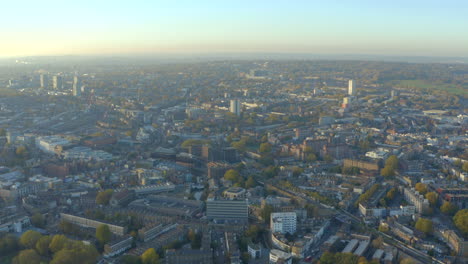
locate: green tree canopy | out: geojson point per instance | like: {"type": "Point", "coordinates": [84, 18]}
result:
{"type": "Point", "coordinates": [421, 188]}
{"type": "Point", "coordinates": [232, 175]}
{"type": "Point", "coordinates": [265, 147]}
{"type": "Point", "coordinates": [130, 259]}
{"type": "Point", "coordinates": [103, 197]}
{"type": "Point", "coordinates": [29, 238]}
{"type": "Point", "coordinates": [465, 167]}
{"type": "Point", "coordinates": [28, 256]}
{"type": "Point", "coordinates": [432, 198]}
{"type": "Point", "coordinates": [150, 257]}
{"type": "Point", "coordinates": [103, 234]}
{"type": "Point", "coordinates": [392, 162]}
{"type": "Point", "coordinates": [8, 244]}
{"type": "Point", "coordinates": [38, 220]}
{"type": "Point", "coordinates": [448, 208]}
{"type": "Point", "coordinates": [461, 221]}
{"type": "Point", "coordinates": [42, 245]}
{"type": "Point", "coordinates": [250, 183]}
{"type": "Point", "coordinates": [424, 225]}
{"type": "Point", "coordinates": [58, 242]}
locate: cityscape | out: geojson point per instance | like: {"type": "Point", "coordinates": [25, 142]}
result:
{"type": "Point", "coordinates": [259, 157]}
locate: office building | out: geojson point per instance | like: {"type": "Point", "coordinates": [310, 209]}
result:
{"type": "Point", "coordinates": [235, 107]}
{"type": "Point", "coordinates": [283, 222]}
{"type": "Point", "coordinates": [44, 80]}
{"type": "Point", "coordinates": [76, 86]}
{"type": "Point", "coordinates": [351, 87]}
{"type": "Point", "coordinates": [227, 210]}
{"type": "Point", "coordinates": [57, 82]}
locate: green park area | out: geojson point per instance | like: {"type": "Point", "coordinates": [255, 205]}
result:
{"type": "Point", "coordinates": [423, 84]}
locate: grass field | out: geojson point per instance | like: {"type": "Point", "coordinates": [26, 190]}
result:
{"type": "Point", "coordinates": [450, 88]}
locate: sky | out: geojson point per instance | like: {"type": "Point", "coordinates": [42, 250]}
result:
{"type": "Point", "coordinates": [92, 27]}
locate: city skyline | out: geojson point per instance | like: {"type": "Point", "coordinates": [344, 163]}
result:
{"type": "Point", "coordinates": [418, 28]}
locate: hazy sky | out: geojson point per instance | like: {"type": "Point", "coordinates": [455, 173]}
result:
{"type": "Point", "coordinates": [397, 27]}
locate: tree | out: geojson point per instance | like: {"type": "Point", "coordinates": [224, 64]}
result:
{"type": "Point", "coordinates": [21, 152]}
{"type": "Point", "coordinates": [392, 162]}
{"type": "Point", "coordinates": [421, 188]}
{"type": "Point", "coordinates": [362, 260]}
{"type": "Point", "coordinates": [29, 238]}
{"type": "Point", "coordinates": [266, 212]}
{"type": "Point", "coordinates": [103, 234]}
{"type": "Point", "coordinates": [150, 257]}
{"type": "Point", "coordinates": [103, 197]}
{"type": "Point", "coordinates": [58, 242]}
{"type": "Point", "coordinates": [424, 225]}
{"type": "Point", "coordinates": [432, 198]}
{"type": "Point", "coordinates": [297, 171]}
{"type": "Point", "coordinates": [28, 256]}
{"type": "Point", "coordinates": [130, 259]}
{"type": "Point", "coordinates": [265, 147]}
{"type": "Point", "coordinates": [391, 194]}
{"type": "Point", "coordinates": [461, 221]}
{"type": "Point", "coordinates": [308, 150]}
{"type": "Point", "coordinates": [465, 166]}
{"type": "Point", "coordinates": [448, 208]}
{"type": "Point", "coordinates": [387, 172]}
{"type": "Point", "coordinates": [76, 252]}
{"type": "Point", "coordinates": [311, 157]}
{"type": "Point", "coordinates": [250, 183]}
{"type": "Point", "coordinates": [327, 258]}
{"type": "Point", "coordinates": [378, 242]}
{"type": "Point", "coordinates": [42, 245]}
{"type": "Point", "coordinates": [38, 220]}
{"type": "Point", "coordinates": [232, 175]}
{"type": "Point", "coordinates": [8, 244]}
{"type": "Point", "coordinates": [407, 261]}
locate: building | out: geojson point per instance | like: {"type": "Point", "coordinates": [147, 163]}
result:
{"type": "Point", "coordinates": [149, 233]}
{"type": "Point", "coordinates": [456, 242]}
{"type": "Point", "coordinates": [154, 189]}
{"type": "Point", "coordinates": [351, 87]}
{"type": "Point", "coordinates": [118, 246]}
{"type": "Point", "coordinates": [76, 86]}
{"type": "Point", "coordinates": [234, 107]}
{"type": "Point", "coordinates": [86, 222]}
{"type": "Point", "coordinates": [370, 166]}
{"type": "Point", "coordinates": [57, 82]}
{"type": "Point", "coordinates": [227, 210]}
{"type": "Point", "coordinates": [44, 81]}
{"type": "Point", "coordinates": [48, 144]}
{"type": "Point", "coordinates": [234, 193]}
{"type": "Point", "coordinates": [122, 198]}
{"type": "Point", "coordinates": [283, 222]}
{"type": "Point", "coordinates": [415, 198]}
{"type": "Point", "coordinates": [278, 256]}
{"type": "Point", "coordinates": [362, 248]}
{"type": "Point", "coordinates": [188, 256]}
{"type": "Point", "coordinates": [255, 251]}
{"type": "Point", "coordinates": [351, 246]}
{"type": "Point", "coordinates": [216, 170]}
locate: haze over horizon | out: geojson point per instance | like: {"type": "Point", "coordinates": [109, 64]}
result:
{"type": "Point", "coordinates": [399, 28]}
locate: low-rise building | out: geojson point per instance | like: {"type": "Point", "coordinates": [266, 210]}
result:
{"type": "Point", "coordinates": [86, 222]}
{"type": "Point", "coordinates": [188, 256]}
{"type": "Point", "coordinates": [278, 256]}
{"type": "Point", "coordinates": [117, 246]}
